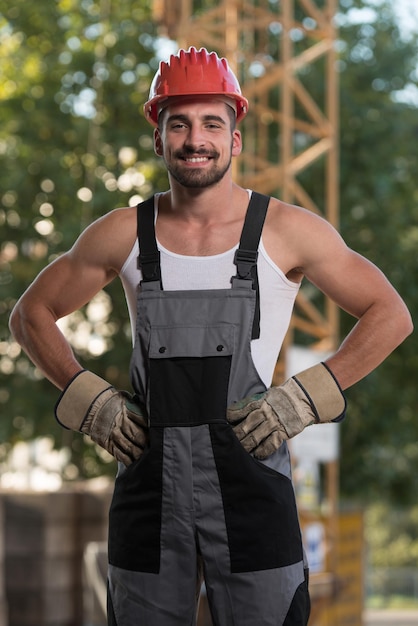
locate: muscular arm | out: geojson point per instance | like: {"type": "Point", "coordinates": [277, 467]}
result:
{"type": "Point", "coordinates": [361, 289]}
{"type": "Point", "coordinates": [61, 288]}
{"type": "Point", "coordinates": [303, 244]}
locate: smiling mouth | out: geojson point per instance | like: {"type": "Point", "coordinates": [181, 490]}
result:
{"type": "Point", "coordinates": [201, 159]}
{"type": "Point", "coordinates": [195, 156]}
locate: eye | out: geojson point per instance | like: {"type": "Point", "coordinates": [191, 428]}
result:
{"type": "Point", "coordinates": [177, 125]}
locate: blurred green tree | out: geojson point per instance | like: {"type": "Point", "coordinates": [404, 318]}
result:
{"type": "Point", "coordinates": [73, 145]}
{"type": "Point", "coordinates": [379, 218]}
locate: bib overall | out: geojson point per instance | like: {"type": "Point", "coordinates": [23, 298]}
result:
{"type": "Point", "coordinates": [196, 502]}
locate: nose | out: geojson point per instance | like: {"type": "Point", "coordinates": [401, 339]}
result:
{"type": "Point", "coordinates": [195, 138]}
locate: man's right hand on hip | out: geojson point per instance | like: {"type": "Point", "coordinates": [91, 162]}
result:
{"type": "Point", "coordinates": [113, 419]}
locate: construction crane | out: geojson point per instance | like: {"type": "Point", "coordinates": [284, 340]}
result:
{"type": "Point", "coordinates": [272, 45]}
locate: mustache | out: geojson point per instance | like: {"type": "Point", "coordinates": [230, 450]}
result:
{"type": "Point", "coordinates": [188, 152]}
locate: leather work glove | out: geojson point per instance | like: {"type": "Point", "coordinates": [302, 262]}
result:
{"type": "Point", "coordinates": [113, 419]}
{"type": "Point", "coordinates": [263, 421]}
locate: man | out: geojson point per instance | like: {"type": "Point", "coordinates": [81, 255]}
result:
{"type": "Point", "coordinates": [204, 478]}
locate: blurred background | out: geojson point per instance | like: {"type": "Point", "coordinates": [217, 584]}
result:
{"type": "Point", "coordinates": [333, 126]}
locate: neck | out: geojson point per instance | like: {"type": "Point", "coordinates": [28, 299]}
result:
{"type": "Point", "coordinates": [201, 224]}
{"type": "Point", "coordinates": [213, 203]}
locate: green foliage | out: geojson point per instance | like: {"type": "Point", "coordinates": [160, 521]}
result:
{"type": "Point", "coordinates": [73, 145]}
{"type": "Point", "coordinates": [379, 218]}
{"type": "Point", "coordinates": [391, 536]}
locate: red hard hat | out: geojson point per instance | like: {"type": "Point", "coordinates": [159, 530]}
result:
{"type": "Point", "coordinates": [194, 73]}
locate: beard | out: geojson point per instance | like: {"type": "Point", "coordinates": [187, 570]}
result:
{"type": "Point", "coordinates": [196, 178]}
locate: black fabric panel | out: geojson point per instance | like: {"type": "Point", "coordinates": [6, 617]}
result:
{"type": "Point", "coordinates": [300, 609]}
{"type": "Point", "coordinates": [135, 512]}
{"type": "Point", "coordinates": [198, 390]}
{"type": "Point", "coordinates": [260, 508]}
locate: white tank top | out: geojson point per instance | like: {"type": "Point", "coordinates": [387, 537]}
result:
{"type": "Point", "coordinates": [179, 272]}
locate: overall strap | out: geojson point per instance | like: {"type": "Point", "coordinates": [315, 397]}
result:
{"type": "Point", "coordinates": [149, 255]}
{"type": "Point", "coordinates": [247, 253]}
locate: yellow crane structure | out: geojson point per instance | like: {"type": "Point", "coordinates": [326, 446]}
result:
{"type": "Point", "coordinates": [273, 45]}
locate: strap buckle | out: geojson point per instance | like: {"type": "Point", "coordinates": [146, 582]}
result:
{"type": "Point", "coordinates": [245, 260]}
{"type": "Point", "coordinates": [149, 264]}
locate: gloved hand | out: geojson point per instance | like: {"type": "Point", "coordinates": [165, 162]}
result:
{"type": "Point", "coordinates": [113, 419]}
{"type": "Point", "coordinates": [263, 421]}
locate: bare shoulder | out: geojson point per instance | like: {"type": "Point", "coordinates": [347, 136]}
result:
{"type": "Point", "coordinates": [291, 218]}
{"type": "Point", "coordinates": [308, 245]}
{"type": "Point", "coordinates": [108, 240]}
{"type": "Point", "coordinates": [95, 259]}
{"type": "Point", "coordinates": [295, 238]}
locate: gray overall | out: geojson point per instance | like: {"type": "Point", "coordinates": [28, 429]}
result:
{"type": "Point", "coordinates": [196, 502]}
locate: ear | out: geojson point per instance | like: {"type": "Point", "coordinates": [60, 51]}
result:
{"type": "Point", "coordinates": [158, 143]}
{"type": "Point", "coordinates": [236, 143]}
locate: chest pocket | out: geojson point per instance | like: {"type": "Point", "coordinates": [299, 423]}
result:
{"type": "Point", "coordinates": [189, 374]}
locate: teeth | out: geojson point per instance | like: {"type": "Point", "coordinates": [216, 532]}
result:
{"type": "Point", "coordinates": [197, 159]}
